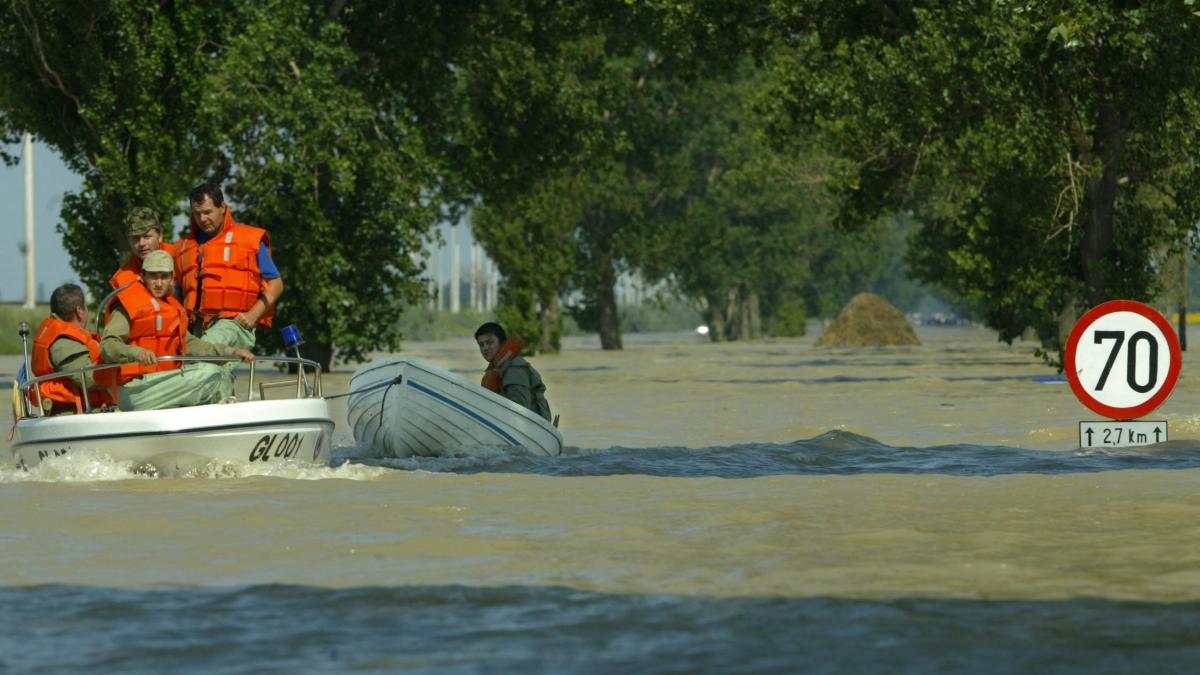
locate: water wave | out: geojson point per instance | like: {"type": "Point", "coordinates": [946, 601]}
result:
{"type": "Point", "coordinates": [832, 453]}
{"type": "Point", "coordinates": [457, 629]}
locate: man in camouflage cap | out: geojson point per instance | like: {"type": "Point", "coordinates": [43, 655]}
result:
{"type": "Point", "coordinates": [145, 234]}
{"type": "Point", "coordinates": [146, 322]}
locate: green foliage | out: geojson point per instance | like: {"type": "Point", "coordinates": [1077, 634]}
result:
{"type": "Point", "coordinates": [1046, 149]}
{"type": "Point", "coordinates": [659, 316]}
{"type": "Point", "coordinates": [420, 323]}
{"type": "Point", "coordinates": [145, 100]}
{"type": "Point", "coordinates": [741, 224]}
{"type": "Point", "coordinates": [336, 179]}
{"type": "Point", "coordinates": [790, 320]}
{"type": "Point", "coordinates": [113, 87]}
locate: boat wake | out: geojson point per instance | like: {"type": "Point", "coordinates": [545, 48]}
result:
{"type": "Point", "coordinates": [88, 466]}
{"type": "Point", "coordinates": [465, 459]}
{"type": "Point", "coordinates": [832, 453]}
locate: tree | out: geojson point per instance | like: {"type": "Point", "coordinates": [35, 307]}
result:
{"type": "Point", "coordinates": [113, 87]}
{"type": "Point", "coordinates": [145, 100]}
{"type": "Point", "coordinates": [1047, 149]}
{"type": "Point", "coordinates": [532, 239]}
{"type": "Point", "coordinates": [343, 183]}
{"type": "Point", "coordinates": [742, 225]}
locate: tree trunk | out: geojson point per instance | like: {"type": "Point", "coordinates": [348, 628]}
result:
{"type": "Point", "coordinates": [1183, 298]}
{"type": "Point", "coordinates": [754, 315]}
{"type": "Point", "coordinates": [550, 340]}
{"type": "Point", "coordinates": [1105, 147]}
{"type": "Point", "coordinates": [1067, 317]}
{"type": "Point", "coordinates": [743, 317]}
{"type": "Point", "coordinates": [733, 315]}
{"type": "Point", "coordinates": [609, 319]}
{"type": "Point", "coordinates": [715, 318]}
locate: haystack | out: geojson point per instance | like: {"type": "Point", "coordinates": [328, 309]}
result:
{"type": "Point", "coordinates": [868, 321]}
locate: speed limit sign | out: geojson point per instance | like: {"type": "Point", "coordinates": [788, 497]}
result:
{"type": "Point", "coordinates": [1122, 359]}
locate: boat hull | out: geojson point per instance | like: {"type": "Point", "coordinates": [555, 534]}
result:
{"type": "Point", "coordinates": [405, 407]}
{"type": "Point", "coordinates": [183, 439]}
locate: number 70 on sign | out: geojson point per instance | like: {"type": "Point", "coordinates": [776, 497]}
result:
{"type": "Point", "coordinates": [1122, 359]}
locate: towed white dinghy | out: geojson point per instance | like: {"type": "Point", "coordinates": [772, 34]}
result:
{"type": "Point", "coordinates": [402, 407]}
{"type": "Point", "coordinates": [180, 440]}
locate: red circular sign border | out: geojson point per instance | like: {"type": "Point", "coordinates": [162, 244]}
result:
{"type": "Point", "coordinates": [1081, 326]}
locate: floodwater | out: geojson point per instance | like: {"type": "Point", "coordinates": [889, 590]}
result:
{"type": "Point", "coordinates": [760, 507]}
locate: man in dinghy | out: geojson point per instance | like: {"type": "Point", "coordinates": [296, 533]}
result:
{"type": "Point", "coordinates": [62, 343]}
{"type": "Point", "coordinates": [229, 281]}
{"type": "Point", "coordinates": [508, 373]}
{"type": "Point", "coordinates": [146, 322]}
{"type": "Point", "coordinates": [145, 234]}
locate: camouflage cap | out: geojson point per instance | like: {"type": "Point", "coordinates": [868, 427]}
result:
{"type": "Point", "coordinates": [158, 261]}
{"type": "Point", "coordinates": [141, 220]}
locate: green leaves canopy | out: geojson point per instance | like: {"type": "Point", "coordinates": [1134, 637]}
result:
{"type": "Point", "coordinates": [1048, 148]}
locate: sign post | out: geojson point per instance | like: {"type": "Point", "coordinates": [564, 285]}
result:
{"type": "Point", "coordinates": [1122, 360]}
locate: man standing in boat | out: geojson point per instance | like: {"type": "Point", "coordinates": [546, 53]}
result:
{"type": "Point", "coordinates": [146, 322]}
{"type": "Point", "coordinates": [228, 279]}
{"type": "Point", "coordinates": [508, 373]}
{"type": "Point", "coordinates": [62, 343]}
{"type": "Point", "coordinates": [145, 234]}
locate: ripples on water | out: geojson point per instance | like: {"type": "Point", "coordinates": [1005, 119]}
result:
{"type": "Point", "coordinates": [831, 453]}
{"type": "Point", "coordinates": [834, 452]}
{"type": "Point", "coordinates": [287, 629]}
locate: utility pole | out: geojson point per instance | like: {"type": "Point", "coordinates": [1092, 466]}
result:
{"type": "Point", "coordinates": [476, 295]}
{"type": "Point", "coordinates": [30, 296]}
{"type": "Point", "coordinates": [435, 297]}
{"type": "Point", "coordinates": [454, 271]}
{"type": "Point", "coordinates": [493, 285]}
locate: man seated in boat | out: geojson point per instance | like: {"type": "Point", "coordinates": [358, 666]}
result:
{"type": "Point", "coordinates": [63, 343]}
{"type": "Point", "coordinates": [508, 373]}
{"type": "Point", "coordinates": [145, 234]}
{"type": "Point", "coordinates": [145, 322]}
{"type": "Point", "coordinates": [228, 279]}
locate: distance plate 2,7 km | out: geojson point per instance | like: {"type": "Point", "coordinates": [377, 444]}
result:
{"type": "Point", "coordinates": [1122, 359]}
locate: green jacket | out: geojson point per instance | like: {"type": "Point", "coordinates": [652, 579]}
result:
{"type": "Point", "coordinates": [522, 384]}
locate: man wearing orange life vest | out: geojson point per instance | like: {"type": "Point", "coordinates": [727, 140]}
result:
{"type": "Point", "coordinates": [146, 322]}
{"type": "Point", "coordinates": [228, 280]}
{"type": "Point", "coordinates": [63, 343]}
{"type": "Point", "coordinates": [508, 373]}
{"type": "Point", "coordinates": [145, 234]}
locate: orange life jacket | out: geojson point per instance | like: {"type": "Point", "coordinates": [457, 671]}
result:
{"type": "Point", "coordinates": [159, 325]}
{"type": "Point", "coordinates": [220, 278]}
{"type": "Point", "coordinates": [494, 375]}
{"type": "Point", "coordinates": [131, 271]}
{"type": "Point", "coordinates": [64, 392]}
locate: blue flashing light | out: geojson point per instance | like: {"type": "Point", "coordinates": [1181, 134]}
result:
{"type": "Point", "coordinates": [291, 336]}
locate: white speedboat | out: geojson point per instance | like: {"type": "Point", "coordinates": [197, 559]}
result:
{"type": "Point", "coordinates": [401, 407]}
{"type": "Point", "coordinates": [257, 428]}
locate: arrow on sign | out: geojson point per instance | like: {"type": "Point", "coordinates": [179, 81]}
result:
{"type": "Point", "coordinates": [1089, 435]}
{"type": "Point", "coordinates": [1157, 434]}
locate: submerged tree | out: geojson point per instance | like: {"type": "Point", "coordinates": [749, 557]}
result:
{"type": "Point", "coordinates": [343, 183]}
{"type": "Point", "coordinates": [145, 100]}
{"type": "Point", "coordinates": [114, 88]}
{"type": "Point", "coordinates": [1047, 149]}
